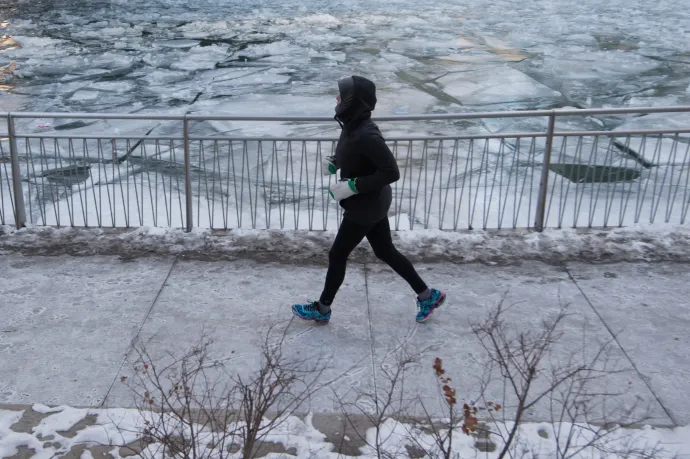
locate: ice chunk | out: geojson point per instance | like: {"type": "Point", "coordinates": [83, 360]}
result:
{"type": "Point", "coordinates": [84, 95]}
{"type": "Point", "coordinates": [276, 48]}
{"type": "Point", "coordinates": [329, 56]}
{"type": "Point", "coordinates": [107, 64]}
{"type": "Point", "coordinates": [200, 58]}
{"type": "Point", "coordinates": [111, 61]}
{"type": "Point", "coordinates": [8, 43]}
{"type": "Point", "coordinates": [182, 91]}
{"type": "Point", "coordinates": [113, 31]}
{"type": "Point", "coordinates": [83, 74]}
{"type": "Point", "coordinates": [422, 47]}
{"type": "Point", "coordinates": [253, 104]}
{"type": "Point", "coordinates": [13, 102]}
{"type": "Point", "coordinates": [597, 64]}
{"type": "Point", "coordinates": [496, 43]}
{"type": "Point", "coordinates": [398, 60]}
{"type": "Point", "coordinates": [176, 44]}
{"type": "Point", "coordinates": [403, 100]}
{"type": "Point", "coordinates": [483, 51]}
{"type": "Point", "coordinates": [161, 76]}
{"type": "Point", "coordinates": [327, 39]}
{"type": "Point", "coordinates": [494, 85]}
{"type": "Point", "coordinates": [120, 87]}
{"type": "Point", "coordinates": [204, 29]}
{"type": "Point", "coordinates": [264, 76]}
{"type": "Point", "coordinates": [52, 89]}
{"type": "Point", "coordinates": [658, 121]}
{"type": "Point", "coordinates": [35, 46]}
{"type": "Point", "coordinates": [325, 20]}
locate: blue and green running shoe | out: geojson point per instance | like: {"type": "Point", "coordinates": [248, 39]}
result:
{"type": "Point", "coordinates": [311, 311]}
{"type": "Point", "coordinates": [426, 308]}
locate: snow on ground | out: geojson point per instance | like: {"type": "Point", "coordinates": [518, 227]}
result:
{"type": "Point", "coordinates": [121, 427]}
{"type": "Point", "coordinates": [553, 246]}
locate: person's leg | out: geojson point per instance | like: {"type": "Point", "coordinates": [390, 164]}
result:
{"type": "Point", "coordinates": [379, 236]}
{"type": "Point", "coordinates": [382, 243]}
{"type": "Point", "coordinates": [350, 234]}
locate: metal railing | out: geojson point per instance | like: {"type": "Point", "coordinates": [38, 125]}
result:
{"type": "Point", "coordinates": [187, 177]}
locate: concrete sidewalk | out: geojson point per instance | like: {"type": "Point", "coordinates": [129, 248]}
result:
{"type": "Point", "coordinates": [68, 322]}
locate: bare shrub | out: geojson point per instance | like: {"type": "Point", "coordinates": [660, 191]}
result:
{"type": "Point", "coordinates": [194, 405]}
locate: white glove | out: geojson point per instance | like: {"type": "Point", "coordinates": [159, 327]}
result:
{"type": "Point", "coordinates": [343, 189]}
{"type": "Point", "coordinates": [328, 166]}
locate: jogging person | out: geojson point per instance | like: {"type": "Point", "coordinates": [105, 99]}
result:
{"type": "Point", "coordinates": [367, 168]}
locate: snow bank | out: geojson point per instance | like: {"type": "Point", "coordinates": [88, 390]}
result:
{"type": "Point", "coordinates": [671, 243]}
{"type": "Point", "coordinates": [122, 427]}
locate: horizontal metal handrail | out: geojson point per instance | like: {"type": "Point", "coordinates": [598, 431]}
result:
{"type": "Point", "coordinates": [99, 137]}
{"type": "Point", "coordinates": [428, 117]}
{"type": "Point", "coordinates": [507, 135]}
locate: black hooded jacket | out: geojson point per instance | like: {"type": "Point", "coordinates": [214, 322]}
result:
{"type": "Point", "coordinates": [363, 154]}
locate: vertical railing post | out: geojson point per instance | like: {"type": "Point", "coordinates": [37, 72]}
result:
{"type": "Point", "coordinates": [17, 189]}
{"type": "Point", "coordinates": [187, 177]}
{"type": "Point", "coordinates": [544, 182]}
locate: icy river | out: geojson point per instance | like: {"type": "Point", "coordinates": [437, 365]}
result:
{"type": "Point", "coordinates": [283, 57]}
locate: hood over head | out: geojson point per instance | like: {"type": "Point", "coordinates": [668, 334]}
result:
{"type": "Point", "coordinates": [357, 99]}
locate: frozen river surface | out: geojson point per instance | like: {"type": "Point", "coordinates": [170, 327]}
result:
{"type": "Point", "coordinates": [283, 57]}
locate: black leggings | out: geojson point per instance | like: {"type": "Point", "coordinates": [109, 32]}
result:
{"type": "Point", "coordinates": [349, 236]}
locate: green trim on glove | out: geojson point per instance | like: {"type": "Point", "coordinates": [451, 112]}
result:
{"type": "Point", "coordinates": [328, 165]}
{"type": "Point", "coordinates": [352, 183]}
{"type": "Point", "coordinates": [343, 189]}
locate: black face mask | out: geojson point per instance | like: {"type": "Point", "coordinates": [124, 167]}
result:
{"type": "Point", "coordinates": [346, 87]}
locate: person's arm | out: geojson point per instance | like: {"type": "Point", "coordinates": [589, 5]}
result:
{"type": "Point", "coordinates": [329, 164]}
{"type": "Point", "coordinates": [387, 172]}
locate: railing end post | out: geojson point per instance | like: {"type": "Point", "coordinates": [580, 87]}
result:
{"type": "Point", "coordinates": [17, 189]}
{"type": "Point", "coordinates": [544, 182]}
{"type": "Point", "coordinates": [189, 218]}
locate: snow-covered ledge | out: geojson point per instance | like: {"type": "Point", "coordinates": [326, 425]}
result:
{"type": "Point", "coordinates": [657, 243]}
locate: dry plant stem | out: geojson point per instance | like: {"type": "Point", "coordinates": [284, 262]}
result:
{"type": "Point", "coordinates": [387, 402]}
{"type": "Point", "coordinates": [196, 406]}
{"type": "Point", "coordinates": [521, 357]}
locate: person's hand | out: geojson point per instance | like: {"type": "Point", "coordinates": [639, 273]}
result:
{"type": "Point", "coordinates": [343, 189]}
{"type": "Point", "coordinates": [329, 165]}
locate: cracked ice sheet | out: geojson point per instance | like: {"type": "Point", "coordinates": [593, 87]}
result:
{"type": "Point", "coordinates": [429, 30]}
{"type": "Point", "coordinates": [401, 99]}
{"type": "Point", "coordinates": [200, 58]}
{"type": "Point", "coordinates": [496, 85]}
{"type": "Point", "coordinates": [251, 104]}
